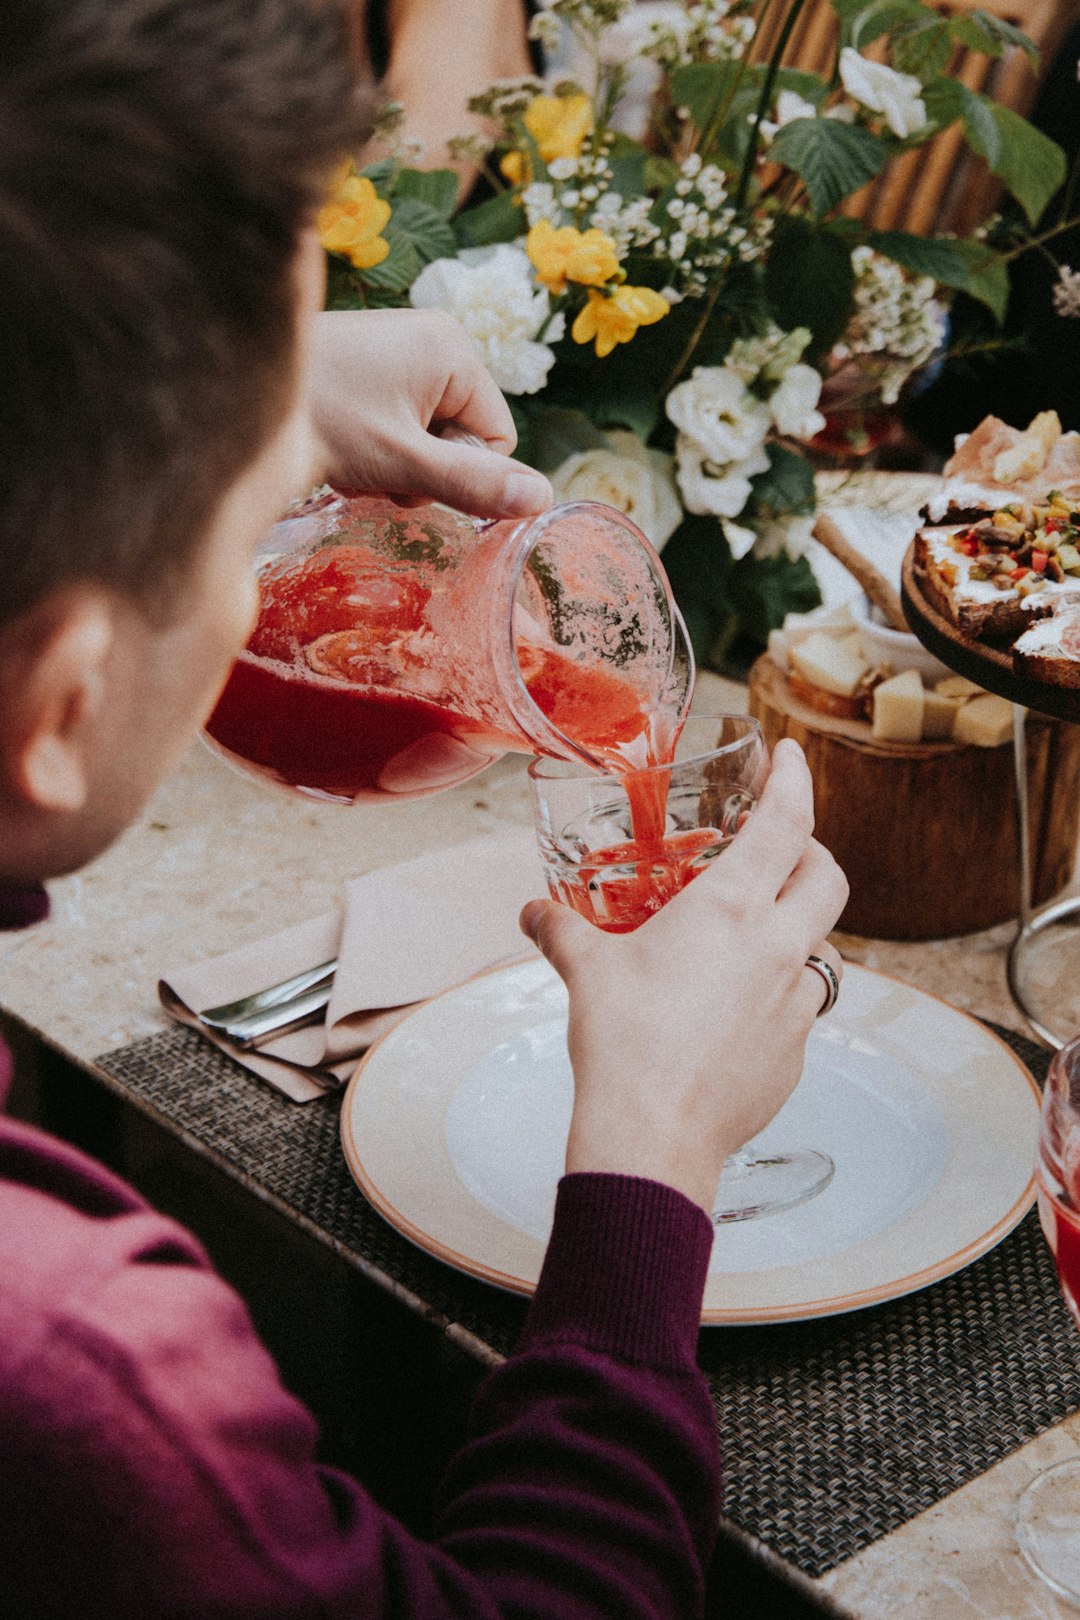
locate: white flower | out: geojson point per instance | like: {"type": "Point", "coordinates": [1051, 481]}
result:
{"type": "Point", "coordinates": [897, 96]}
{"type": "Point", "coordinates": [718, 412]}
{"type": "Point", "coordinates": [1066, 294]}
{"type": "Point", "coordinates": [792, 403]}
{"type": "Point", "coordinates": [740, 539]}
{"type": "Point", "coordinates": [720, 488]}
{"type": "Point", "coordinates": [492, 293]}
{"type": "Point", "coordinates": [789, 106]}
{"type": "Point", "coordinates": [628, 476]}
{"type": "Point", "coordinates": [791, 534]}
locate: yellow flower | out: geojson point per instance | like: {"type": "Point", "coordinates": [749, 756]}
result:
{"type": "Point", "coordinates": [560, 255]}
{"type": "Point", "coordinates": [558, 125]}
{"type": "Point", "coordinates": [614, 317]}
{"type": "Point", "coordinates": [350, 220]}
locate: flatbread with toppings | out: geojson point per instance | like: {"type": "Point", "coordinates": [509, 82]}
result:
{"type": "Point", "coordinates": [999, 573]}
{"type": "Point", "coordinates": [1050, 650]}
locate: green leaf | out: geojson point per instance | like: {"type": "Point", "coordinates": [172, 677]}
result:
{"type": "Point", "coordinates": [429, 232]}
{"type": "Point", "coordinates": [809, 280]}
{"type": "Point", "coordinates": [1032, 166]}
{"type": "Point", "coordinates": [629, 164]}
{"type": "Point", "coordinates": [697, 561]}
{"type": "Point", "coordinates": [703, 88]}
{"type": "Point", "coordinates": [658, 172]}
{"type": "Point", "coordinates": [380, 174]}
{"type": "Point", "coordinates": [971, 267]}
{"type": "Point", "coordinates": [924, 50]}
{"type": "Point", "coordinates": [944, 101]}
{"type": "Point", "coordinates": [399, 269]}
{"type": "Point", "coordinates": [765, 589]}
{"type": "Point", "coordinates": [436, 187]}
{"type": "Point", "coordinates": [497, 219]}
{"type": "Point", "coordinates": [788, 486]}
{"type": "Point", "coordinates": [557, 434]}
{"type": "Point", "coordinates": [832, 159]}
{"type": "Point", "coordinates": [982, 31]}
{"type": "Point", "coordinates": [810, 86]}
{"type": "Point", "coordinates": [882, 17]}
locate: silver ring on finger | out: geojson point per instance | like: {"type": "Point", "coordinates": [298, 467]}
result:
{"type": "Point", "coordinates": [832, 983]}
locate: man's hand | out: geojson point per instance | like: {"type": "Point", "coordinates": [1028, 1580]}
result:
{"type": "Point", "coordinates": [381, 386]}
{"type": "Point", "coordinates": [687, 1035]}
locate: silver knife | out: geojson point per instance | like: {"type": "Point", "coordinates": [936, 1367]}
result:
{"type": "Point", "coordinates": [252, 1020]}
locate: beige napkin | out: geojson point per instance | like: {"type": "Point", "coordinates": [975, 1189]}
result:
{"type": "Point", "coordinates": [401, 935]}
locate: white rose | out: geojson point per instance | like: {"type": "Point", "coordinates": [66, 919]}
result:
{"type": "Point", "coordinates": [790, 534]}
{"type": "Point", "coordinates": [792, 403]}
{"type": "Point", "coordinates": [897, 96]}
{"type": "Point", "coordinates": [721, 489]}
{"type": "Point", "coordinates": [715, 409]}
{"type": "Point", "coordinates": [492, 293]}
{"type": "Point", "coordinates": [630, 477]}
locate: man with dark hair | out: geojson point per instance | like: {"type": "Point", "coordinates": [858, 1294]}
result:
{"type": "Point", "coordinates": [165, 387]}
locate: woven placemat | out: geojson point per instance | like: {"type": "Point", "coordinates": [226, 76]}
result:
{"type": "Point", "coordinates": [834, 1432]}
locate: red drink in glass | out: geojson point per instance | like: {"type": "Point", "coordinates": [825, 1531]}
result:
{"type": "Point", "coordinates": [622, 886]}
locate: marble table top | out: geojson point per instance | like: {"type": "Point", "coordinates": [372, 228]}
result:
{"type": "Point", "coordinates": [213, 861]}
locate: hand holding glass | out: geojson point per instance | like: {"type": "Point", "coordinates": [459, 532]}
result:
{"type": "Point", "coordinates": [617, 847]}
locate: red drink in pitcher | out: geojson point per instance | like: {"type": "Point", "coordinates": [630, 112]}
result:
{"type": "Point", "coordinates": [403, 651]}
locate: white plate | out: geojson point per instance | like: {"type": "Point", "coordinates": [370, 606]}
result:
{"type": "Point", "coordinates": [454, 1127]}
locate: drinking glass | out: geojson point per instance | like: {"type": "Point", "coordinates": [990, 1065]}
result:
{"type": "Point", "coordinates": [1048, 1520]}
{"type": "Point", "coordinates": [618, 846]}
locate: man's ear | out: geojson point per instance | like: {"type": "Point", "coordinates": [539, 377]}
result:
{"type": "Point", "coordinates": [53, 673]}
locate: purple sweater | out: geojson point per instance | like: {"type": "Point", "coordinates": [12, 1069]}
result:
{"type": "Point", "coordinates": [152, 1465]}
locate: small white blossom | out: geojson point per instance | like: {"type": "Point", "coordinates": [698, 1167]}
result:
{"type": "Point", "coordinates": [492, 293]}
{"type": "Point", "coordinates": [769, 356]}
{"type": "Point", "coordinates": [897, 325]}
{"type": "Point", "coordinates": [740, 539]}
{"type": "Point", "coordinates": [788, 534]}
{"type": "Point", "coordinates": [628, 476]}
{"type": "Point", "coordinates": [545, 28]}
{"type": "Point", "coordinates": [538, 201]}
{"type": "Point", "coordinates": [793, 402]}
{"type": "Point", "coordinates": [896, 96]}
{"type": "Point", "coordinates": [563, 168]}
{"type": "Point", "coordinates": [1066, 294]}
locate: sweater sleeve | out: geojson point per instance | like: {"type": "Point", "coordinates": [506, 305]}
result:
{"type": "Point", "coordinates": [154, 1465]}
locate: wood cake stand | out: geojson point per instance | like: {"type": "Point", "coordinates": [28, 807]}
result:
{"type": "Point", "coordinates": [991, 666]}
{"type": "Point", "coordinates": [926, 832]}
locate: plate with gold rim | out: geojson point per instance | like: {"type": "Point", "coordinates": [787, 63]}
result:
{"type": "Point", "coordinates": [454, 1127]}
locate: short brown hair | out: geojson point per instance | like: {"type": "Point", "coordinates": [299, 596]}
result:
{"type": "Point", "coordinates": [157, 161]}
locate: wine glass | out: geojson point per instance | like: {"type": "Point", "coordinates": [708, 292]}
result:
{"type": "Point", "coordinates": [1048, 1520]}
{"type": "Point", "coordinates": [617, 846]}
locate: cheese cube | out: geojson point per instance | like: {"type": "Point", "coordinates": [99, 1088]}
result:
{"type": "Point", "coordinates": [939, 714]}
{"type": "Point", "coordinates": [898, 708]}
{"type": "Point", "coordinates": [957, 686]}
{"type": "Point", "coordinates": [986, 721]}
{"type": "Point", "coordinates": [835, 665]}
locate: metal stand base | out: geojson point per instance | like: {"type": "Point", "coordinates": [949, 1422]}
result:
{"type": "Point", "coordinates": [1030, 924]}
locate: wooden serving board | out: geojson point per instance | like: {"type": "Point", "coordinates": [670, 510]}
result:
{"type": "Point", "coordinates": [926, 831]}
{"type": "Point", "coordinates": [989, 664]}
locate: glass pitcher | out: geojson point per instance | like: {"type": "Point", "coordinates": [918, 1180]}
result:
{"type": "Point", "coordinates": [399, 651]}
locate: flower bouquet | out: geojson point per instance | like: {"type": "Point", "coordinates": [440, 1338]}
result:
{"type": "Point", "coordinates": [661, 296]}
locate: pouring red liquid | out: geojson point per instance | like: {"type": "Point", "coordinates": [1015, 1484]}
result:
{"type": "Point", "coordinates": [399, 652]}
